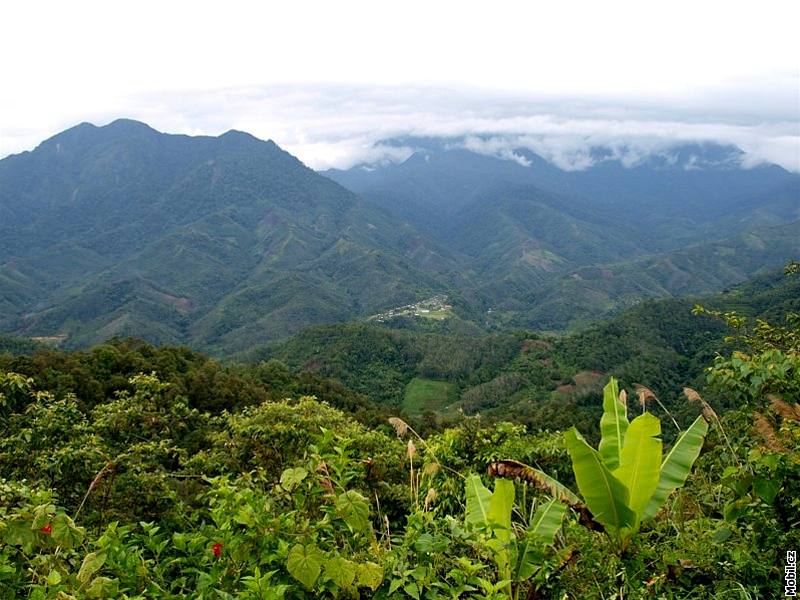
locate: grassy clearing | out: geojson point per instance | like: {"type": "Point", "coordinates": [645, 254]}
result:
{"type": "Point", "coordinates": [428, 394]}
{"type": "Point", "coordinates": [436, 315]}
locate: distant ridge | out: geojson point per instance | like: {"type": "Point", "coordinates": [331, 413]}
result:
{"type": "Point", "coordinates": [228, 242]}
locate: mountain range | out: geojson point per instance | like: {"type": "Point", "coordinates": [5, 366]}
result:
{"type": "Point", "coordinates": [122, 230]}
{"type": "Point", "coordinates": [228, 242]}
{"type": "Point", "coordinates": [553, 248]}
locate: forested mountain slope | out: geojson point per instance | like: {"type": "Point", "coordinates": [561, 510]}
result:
{"type": "Point", "coordinates": [225, 243]}
{"type": "Point", "coordinates": [660, 199]}
{"type": "Point", "coordinates": [555, 249]}
{"type": "Point", "coordinates": [218, 242]}
{"type": "Point", "coordinates": [525, 376]}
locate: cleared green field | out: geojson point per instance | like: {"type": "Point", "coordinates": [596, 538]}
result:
{"type": "Point", "coordinates": [436, 315]}
{"type": "Point", "coordinates": [428, 394]}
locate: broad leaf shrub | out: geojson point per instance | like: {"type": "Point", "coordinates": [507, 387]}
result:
{"type": "Point", "coordinates": [135, 490]}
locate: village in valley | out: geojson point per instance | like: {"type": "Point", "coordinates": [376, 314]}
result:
{"type": "Point", "coordinates": [436, 307]}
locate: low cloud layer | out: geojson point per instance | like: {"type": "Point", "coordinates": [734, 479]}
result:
{"type": "Point", "coordinates": [338, 126]}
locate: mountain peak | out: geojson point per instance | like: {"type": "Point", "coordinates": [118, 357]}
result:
{"type": "Point", "coordinates": [238, 134]}
{"type": "Point", "coordinates": [87, 133]}
{"type": "Point", "coordinates": [241, 140]}
{"type": "Point", "coordinates": [128, 126]}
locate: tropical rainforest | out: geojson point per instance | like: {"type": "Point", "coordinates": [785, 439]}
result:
{"type": "Point", "coordinates": [223, 375]}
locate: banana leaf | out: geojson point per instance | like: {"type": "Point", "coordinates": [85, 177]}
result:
{"type": "Point", "coordinates": [546, 521]}
{"type": "Point", "coordinates": [640, 467]}
{"type": "Point", "coordinates": [677, 465]}
{"type": "Point", "coordinates": [613, 425]}
{"type": "Point", "coordinates": [478, 498]}
{"type": "Point", "coordinates": [500, 506]}
{"type": "Point", "coordinates": [605, 495]}
{"type": "Point", "coordinates": [513, 469]}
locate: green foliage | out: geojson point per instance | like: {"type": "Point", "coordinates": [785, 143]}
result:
{"type": "Point", "coordinates": [133, 484]}
{"type": "Point", "coordinates": [532, 377]}
{"type": "Point", "coordinates": [518, 555]}
{"type": "Point", "coordinates": [676, 466]}
{"type": "Point", "coordinates": [625, 482]}
{"type": "Point", "coordinates": [768, 361]}
{"type": "Point", "coordinates": [613, 426]}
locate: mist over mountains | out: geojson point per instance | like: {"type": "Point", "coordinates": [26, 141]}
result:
{"type": "Point", "coordinates": [226, 242]}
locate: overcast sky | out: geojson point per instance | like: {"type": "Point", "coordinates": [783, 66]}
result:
{"type": "Point", "coordinates": [326, 80]}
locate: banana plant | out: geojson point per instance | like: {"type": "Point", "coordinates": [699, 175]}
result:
{"type": "Point", "coordinates": [520, 554]}
{"type": "Point", "coordinates": [625, 481]}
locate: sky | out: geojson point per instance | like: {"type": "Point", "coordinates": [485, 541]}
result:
{"type": "Point", "coordinates": [329, 80]}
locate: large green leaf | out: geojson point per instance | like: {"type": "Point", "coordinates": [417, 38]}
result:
{"type": "Point", "coordinates": [530, 558]}
{"type": "Point", "coordinates": [17, 532]}
{"type": "Point", "coordinates": [291, 478]}
{"type": "Point", "coordinates": [541, 531]}
{"type": "Point", "coordinates": [369, 575]}
{"type": "Point", "coordinates": [91, 564]}
{"type": "Point", "coordinates": [640, 466]}
{"type": "Point", "coordinates": [613, 425]}
{"type": "Point", "coordinates": [340, 571]}
{"type": "Point", "coordinates": [354, 509]}
{"type": "Point", "coordinates": [102, 587]}
{"type": "Point", "coordinates": [304, 563]}
{"type": "Point", "coordinates": [478, 499]}
{"type": "Point", "coordinates": [677, 465]}
{"type": "Point", "coordinates": [500, 507]}
{"type": "Point", "coordinates": [65, 532]}
{"type": "Point", "coordinates": [547, 520]}
{"type": "Point", "coordinates": [605, 495]}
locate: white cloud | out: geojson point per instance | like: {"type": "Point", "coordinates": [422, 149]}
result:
{"type": "Point", "coordinates": [328, 80]}
{"type": "Point", "coordinates": [341, 125]}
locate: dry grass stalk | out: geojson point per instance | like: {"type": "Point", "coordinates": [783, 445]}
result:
{"type": "Point", "coordinates": [784, 409]}
{"type": "Point", "coordinates": [767, 432]}
{"type": "Point", "coordinates": [692, 395]}
{"type": "Point", "coordinates": [100, 474]}
{"type": "Point", "coordinates": [645, 394]}
{"type": "Point", "coordinates": [708, 412]}
{"type": "Point", "coordinates": [388, 531]}
{"type": "Point", "coordinates": [430, 498]}
{"type": "Point", "coordinates": [411, 450]}
{"type": "Point", "coordinates": [325, 481]}
{"type": "Point", "coordinates": [109, 466]}
{"type": "Point", "coordinates": [400, 426]}
{"type": "Point", "coordinates": [712, 417]}
{"type": "Point", "coordinates": [431, 469]}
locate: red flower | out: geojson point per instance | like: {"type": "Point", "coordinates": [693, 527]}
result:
{"type": "Point", "coordinates": [217, 549]}
{"type": "Point", "coordinates": [47, 529]}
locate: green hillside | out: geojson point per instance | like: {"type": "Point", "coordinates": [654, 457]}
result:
{"type": "Point", "coordinates": [530, 377]}
{"type": "Point", "coordinates": [131, 471]}
{"type": "Point", "coordinates": [229, 243]}
{"type": "Point", "coordinates": [218, 242]}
